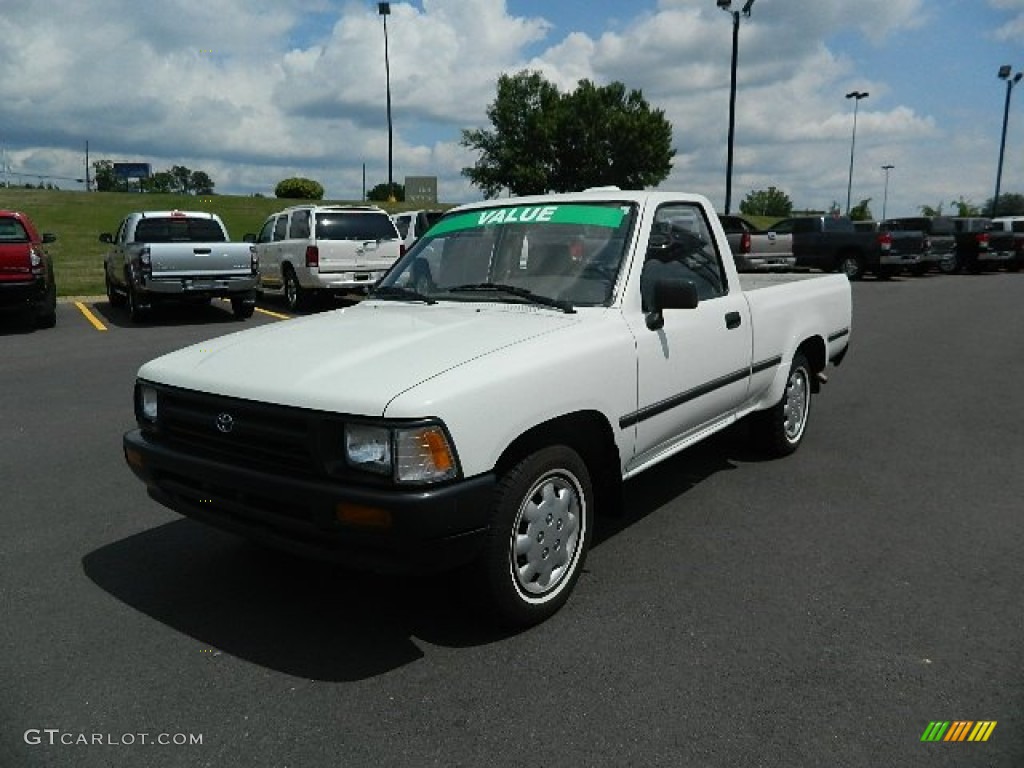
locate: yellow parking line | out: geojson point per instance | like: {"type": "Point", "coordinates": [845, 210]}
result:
{"type": "Point", "coordinates": [90, 316]}
{"type": "Point", "coordinates": [278, 315]}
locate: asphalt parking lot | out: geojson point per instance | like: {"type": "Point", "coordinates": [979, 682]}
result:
{"type": "Point", "coordinates": [820, 610]}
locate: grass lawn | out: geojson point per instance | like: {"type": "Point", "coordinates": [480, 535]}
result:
{"type": "Point", "coordinates": [78, 218]}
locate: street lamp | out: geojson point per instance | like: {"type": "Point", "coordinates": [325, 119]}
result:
{"type": "Point", "coordinates": [384, 9]}
{"type": "Point", "coordinates": [1004, 74]}
{"type": "Point", "coordinates": [885, 197]}
{"type": "Point", "coordinates": [726, 5]}
{"type": "Point", "coordinates": [856, 96]}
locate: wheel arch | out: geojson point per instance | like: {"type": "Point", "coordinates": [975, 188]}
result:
{"type": "Point", "coordinates": [589, 434]}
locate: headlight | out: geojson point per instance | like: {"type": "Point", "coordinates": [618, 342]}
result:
{"type": "Point", "coordinates": [147, 402]}
{"type": "Point", "coordinates": [368, 447]}
{"type": "Point", "coordinates": [420, 454]}
{"type": "Point", "coordinates": [423, 455]}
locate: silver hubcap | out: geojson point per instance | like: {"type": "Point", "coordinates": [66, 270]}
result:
{"type": "Point", "coordinates": [291, 291]}
{"type": "Point", "coordinates": [850, 267]}
{"type": "Point", "coordinates": [546, 535]}
{"type": "Point", "coordinates": [797, 400]}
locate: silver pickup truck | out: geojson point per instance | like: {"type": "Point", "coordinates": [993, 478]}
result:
{"type": "Point", "coordinates": [755, 249]}
{"type": "Point", "coordinates": [157, 256]}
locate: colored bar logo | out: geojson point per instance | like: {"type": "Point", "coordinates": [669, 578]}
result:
{"type": "Point", "coordinates": [958, 730]}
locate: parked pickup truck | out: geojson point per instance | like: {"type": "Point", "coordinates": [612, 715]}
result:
{"type": "Point", "coordinates": [941, 234]}
{"type": "Point", "coordinates": [491, 394]}
{"type": "Point", "coordinates": [901, 249]}
{"type": "Point", "coordinates": [980, 245]}
{"type": "Point", "coordinates": [26, 270]}
{"type": "Point", "coordinates": [757, 249]}
{"type": "Point", "coordinates": [1014, 225]}
{"type": "Point", "coordinates": [159, 256]}
{"type": "Point", "coordinates": [832, 243]}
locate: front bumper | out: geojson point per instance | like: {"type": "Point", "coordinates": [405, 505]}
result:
{"type": "Point", "coordinates": [429, 527]}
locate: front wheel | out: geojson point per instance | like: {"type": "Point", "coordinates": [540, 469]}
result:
{"type": "Point", "coordinates": [780, 429]}
{"type": "Point", "coordinates": [539, 536]}
{"type": "Point", "coordinates": [950, 263]}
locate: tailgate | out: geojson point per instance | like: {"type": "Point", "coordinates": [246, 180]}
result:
{"type": "Point", "coordinates": [349, 255]}
{"type": "Point", "coordinates": [356, 240]}
{"type": "Point", "coordinates": [200, 259]}
{"type": "Point", "coordinates": [14, 264]}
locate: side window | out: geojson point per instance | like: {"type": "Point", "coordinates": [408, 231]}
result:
{"type": "Point", "coordinates": [280, 228]}
{"type": "Point", "coordinates": [681, 247]}
{"type": "Point", "coordinates": [402, 222]}
{"type": "Point", "coordinates": [267, 233]}
{"type": "Point", "coordinates": [300, 225]}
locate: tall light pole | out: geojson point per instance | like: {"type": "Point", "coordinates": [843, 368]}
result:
{"type": "Point", "coordinates": [1004, 74]}
{"type": "Point", "coordinates": [885, 197]}
{"type": "Point", "coordinates": [384, 9]}
{"type": "Point", "coordinates": [856, 96]}
{"type": "Point", "coordinates": [726, 6]}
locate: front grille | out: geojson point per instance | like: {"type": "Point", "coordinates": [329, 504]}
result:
{"type": "Point", "coordinates": [242, 433]}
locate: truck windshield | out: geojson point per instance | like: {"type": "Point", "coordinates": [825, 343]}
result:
{"type": "Point", "coordinates": [178, 229]}
{"type": "Point", "coordinates": [565, 253]}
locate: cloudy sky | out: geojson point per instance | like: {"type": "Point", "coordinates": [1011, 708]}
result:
{"type": "Point", "coordinates": [253, 91]}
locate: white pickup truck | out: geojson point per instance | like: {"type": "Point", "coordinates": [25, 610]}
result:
{"type": "Point", "coordinates": [158, 256]}
{"type": "Point", "coordinates": [492, 393]}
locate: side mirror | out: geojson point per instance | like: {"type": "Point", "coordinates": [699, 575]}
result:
{"type": "Point", "coordinates": [249, 238]}
{"type": "Point", "coordinates": [106, 237]}
{"type": "Point", "coordinates": [670, 293]}
{"type": "Point", "coordinates": [49, 237]}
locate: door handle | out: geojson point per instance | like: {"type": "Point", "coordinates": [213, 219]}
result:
{"type": "Point", "coordinates": [733, 320]}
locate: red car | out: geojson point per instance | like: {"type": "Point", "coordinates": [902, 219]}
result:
{"type": "Point", "coordinates": [26, 270]}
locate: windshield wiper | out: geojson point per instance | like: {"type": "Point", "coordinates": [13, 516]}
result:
{"type": "Point", "coordinates": [398, 292]}
{"type": "Point", "coordinates": [515, 290]}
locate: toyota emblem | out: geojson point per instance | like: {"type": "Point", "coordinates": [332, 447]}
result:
{"type": "Point", "coordinates": [225, 422]}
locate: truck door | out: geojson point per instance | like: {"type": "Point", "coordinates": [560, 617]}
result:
{"type": "Point", "coordinates": [694, 370]}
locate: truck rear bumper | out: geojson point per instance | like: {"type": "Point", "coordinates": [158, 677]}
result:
{"type": "Point", "coordinates": [353, 280]}
{"type": "Point", "coordinates": [394, 529]}
{"type": "Point", "coordinates": [200, 286]}
{"type": "Point", "coordinates": [19, 293]}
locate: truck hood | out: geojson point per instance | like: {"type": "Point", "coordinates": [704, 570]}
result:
{"type": "Point", "coordinates": [353, 360]}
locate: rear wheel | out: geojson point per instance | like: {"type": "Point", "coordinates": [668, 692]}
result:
{"type": "Point", "coordinates": [295, 296]}
{"type": "Point", "coordinates": [950, 263]}
{"type": "Point", "coordinates": [539, 536]}
{"type": "Point", "coordinates": [46, 310]}
{"type": "Point", "coordinates": [116, 299]}
{"type": "Point", "coordinates": [136, 311]}
{"type": "Point", "coordinates": [242, 308]}
{"type": "Point", "coordinates": [780, 429]}
{"type": "Point", "coordinates": [849, 265]}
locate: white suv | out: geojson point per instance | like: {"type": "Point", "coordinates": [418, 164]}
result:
{"type": "Point", "coordinates": [307, 250]}
{"type": "Point", "coordinates": [412, 225]}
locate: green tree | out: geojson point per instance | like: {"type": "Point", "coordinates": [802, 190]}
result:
{"type": "Point", "coordinates": [1010, 204]}
{"type": "Point", "coordinates": [201, 183]}
{"type": "Point", "coordinates": [519, 154]}
{"type": "Point", "coordinates": [182, 179]}
{"type": "Point", "coordinates": [545, 141]}
{"type": "Point", "coordinates": [382, 194]}
{"type": "Point", "coordinates": [103, 176]}
{"type": "Point", "coordinates": [608, 136]}
{"type": "Point", "coordinates": [767, 202]}
{"type": "Point", "coordinates": [927, 210]}
{"type": "Point", "coordinates": [965, 207]}
{"type": "Point", "coordinates": [861, 211]}
{"type": "Point", "coordinates": [299, 188]}
{"type": "Point", "coordinates": [161, 181]}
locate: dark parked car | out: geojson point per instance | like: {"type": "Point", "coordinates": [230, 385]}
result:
{"type": "Point", "coordinates": [941, 232]}
{"type": "Point", "coordinates": [26, 271]}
